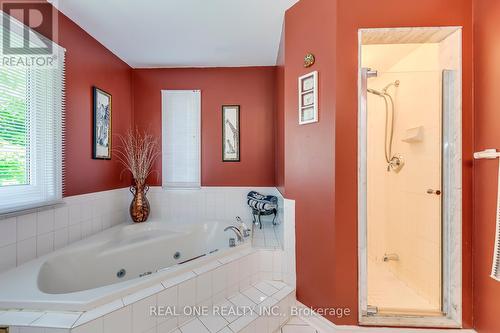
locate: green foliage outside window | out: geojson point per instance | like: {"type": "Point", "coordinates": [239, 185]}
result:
{"type": "Point", "coordinates": [13, 127]}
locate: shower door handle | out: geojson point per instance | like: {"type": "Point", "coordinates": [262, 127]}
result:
{"type": "Point", "coordinates": [431, 191]}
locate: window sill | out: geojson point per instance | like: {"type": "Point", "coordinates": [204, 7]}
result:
{"type": "Point", "coordinates": [30, 209]}
{"type": "Point", "coordinates": [187, 188]}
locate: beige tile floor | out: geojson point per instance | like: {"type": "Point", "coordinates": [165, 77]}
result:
{"type": "Point", "coordinates": [386, 291]}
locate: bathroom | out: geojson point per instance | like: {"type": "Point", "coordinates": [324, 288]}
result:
{"type": "Point", "coordinates": [367, 129]}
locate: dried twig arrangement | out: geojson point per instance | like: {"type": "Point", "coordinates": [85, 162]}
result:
{"type": "Point", "coordinates": [137, 152]}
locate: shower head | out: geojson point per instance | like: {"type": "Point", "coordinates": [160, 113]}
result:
{"type": "Point", "coordinates": [384, 91]}
{"type": "Point", "coordinates": [395, 84]}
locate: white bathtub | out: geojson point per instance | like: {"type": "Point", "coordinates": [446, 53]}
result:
{"type": "Point", "coordinates": [109, 265]}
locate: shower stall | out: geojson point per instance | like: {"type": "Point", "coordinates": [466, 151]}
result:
{"type": "Point", "coordinates": [409, 140]}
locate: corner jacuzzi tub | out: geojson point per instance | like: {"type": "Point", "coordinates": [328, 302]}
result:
{"type": "Point", "coordinates": [109, 265]}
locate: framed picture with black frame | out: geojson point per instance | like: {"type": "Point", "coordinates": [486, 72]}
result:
{"type": "Point", "coordinates": [231, 133]}
{"type": "Point", "coordinates": [102, 138]}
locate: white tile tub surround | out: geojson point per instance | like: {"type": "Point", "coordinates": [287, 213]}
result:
{"type": "Point", "coordinates": [270, 236]}
{"type": "Point", "coordinates": [210, 284]}
{"type": "Point", "coordinates": [237, 279]}
{"type": "Point", "coordinates": [24, 237]}
{"type": "Point", "coordinates": [206, 203]}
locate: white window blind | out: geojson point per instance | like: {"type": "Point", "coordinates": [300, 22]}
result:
{"type": "Point", "coordinates": [181, 151]}
{"type": "Point", "coordinates": [31, 131]}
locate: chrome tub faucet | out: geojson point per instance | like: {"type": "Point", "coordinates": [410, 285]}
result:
{"type": "Point", "coordinates": [237, 231]}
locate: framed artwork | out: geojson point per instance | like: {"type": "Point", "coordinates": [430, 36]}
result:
{"type": "Point", "coordinates": [230, 133]}
{"type": "Point", "coordinates": [102, 125]}
{"type": "Point", "coordinates": [308, 98]}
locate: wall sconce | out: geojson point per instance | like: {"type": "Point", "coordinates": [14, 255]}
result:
{"type": "Point", "coordinates": [309, 60]}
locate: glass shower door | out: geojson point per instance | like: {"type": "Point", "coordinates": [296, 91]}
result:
{"type": "Point", "coordinates": [404, 193]}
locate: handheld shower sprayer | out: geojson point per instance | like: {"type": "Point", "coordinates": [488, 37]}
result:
{"type": "Point", "coordinates": [394, 162]}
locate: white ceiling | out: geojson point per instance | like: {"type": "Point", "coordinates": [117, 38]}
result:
{"type": "Point", "coordinates": [184, 33]}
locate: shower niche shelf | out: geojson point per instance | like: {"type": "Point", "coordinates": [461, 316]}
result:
{"type": "Point", "coordinates": [414, 135]}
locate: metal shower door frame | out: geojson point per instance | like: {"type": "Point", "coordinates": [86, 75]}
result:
{"type": "Point", "coordinates": [451, 207]}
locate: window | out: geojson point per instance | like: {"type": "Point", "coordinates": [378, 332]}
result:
{"type": "Point", "coordinates": [31, 117]}
{"type": "Point", "coordinates": [181, 138]}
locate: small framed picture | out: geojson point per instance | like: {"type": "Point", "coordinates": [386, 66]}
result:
{"type": "Point", "coordinates": [230, 133]}
{"type": "Point", "coordinates": [308, 83]}
{"type": "Point", "coordinates": [308, 98]}
{"type": "Point", "coordinates": [102, 125]}
{"type": "Point", "coordinates": [307, 115]}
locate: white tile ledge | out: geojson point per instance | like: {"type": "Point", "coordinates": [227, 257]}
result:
{"type": "Point", "coordinates": [65, 201]}
{"type": "Point", "coordinates": [36, 209]}
{"type": "Point", "coordinates": [57, 320]}
{"type": "Point", "coordinates": [98, 312]}
{"type": "Point", "coordinates": [19, 318]}
{"type": "Point", "coordinates": [142, 294]}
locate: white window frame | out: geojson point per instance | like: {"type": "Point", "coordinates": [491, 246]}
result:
{"type": "Point", "coordinates": [38, 192]}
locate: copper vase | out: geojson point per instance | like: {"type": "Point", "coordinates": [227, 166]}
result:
{"type": "Point", "coordinates": [139, 207]}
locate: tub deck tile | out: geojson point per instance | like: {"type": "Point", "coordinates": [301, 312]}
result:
{"type": "Point", "coordinates": [226, 314]}
{"type": "Point", "coordinates": [141, 294]}
{"type": "Point", "coordinates": [243, 321]}
{"type": "Point", "coordinates": [194, 326]}
{"type": "Point", "coordinates": [266, 288]}
{"type": "Point", "coordinates": [99, 312]}
{"type": "Point", "coordinates": [231, 258]}
{"type": "Point", "coordinates": [57, 319]}
{"type": "Point", "coordinates": [283, 292]}
{"type": "Point", "coordinates": [240, 254]}
{"type": "Point", "coordinates": [213, 322]}
{"type": "Point", "coordinates": [241, 301]}
{"type": "Point", "coordinates": [276, 284]}
{"type": "Point", "coordinates": [254, 294]}
{"type": "Point", "coordinates": [225, 330]}
{"type": "Point", "coordinates": [268, 303]}
{"type": "Point", "coordinates": [208, 267]}
{"type": "Point", "coordinates": [20, 318]}
{"type": "Point", "coordinates": [178, 279]}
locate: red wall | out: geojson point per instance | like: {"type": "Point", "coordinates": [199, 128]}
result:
{"type": "Point", "coordinates": [321, 159]}
{"type": "Point", "coordinates": [88, 63]}
{"type": "Point", "coordinates": [309, 155]}
{"type": "Point", "coordinates": [253, 88]}
{"type": "Point", "coordinates": [390, 13]}
{"type": "Point", "coordinates": [487, 135]}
